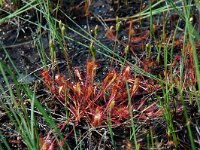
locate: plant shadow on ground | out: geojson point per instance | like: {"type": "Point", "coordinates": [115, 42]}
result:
{"type": "Point", "coordinates": [97, 112]}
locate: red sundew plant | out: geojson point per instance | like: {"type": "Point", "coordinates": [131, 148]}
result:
{"type": "Point", "coordinates": [91, 101]}
{"type": "Point", "coordinates": [189, 77]}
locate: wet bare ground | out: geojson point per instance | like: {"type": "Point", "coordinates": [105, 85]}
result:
{"type": "Point", "coordinates": [18, 38]}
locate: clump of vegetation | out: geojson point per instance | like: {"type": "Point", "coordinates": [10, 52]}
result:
{"type": "Point", "coordinates": [88, 100]}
